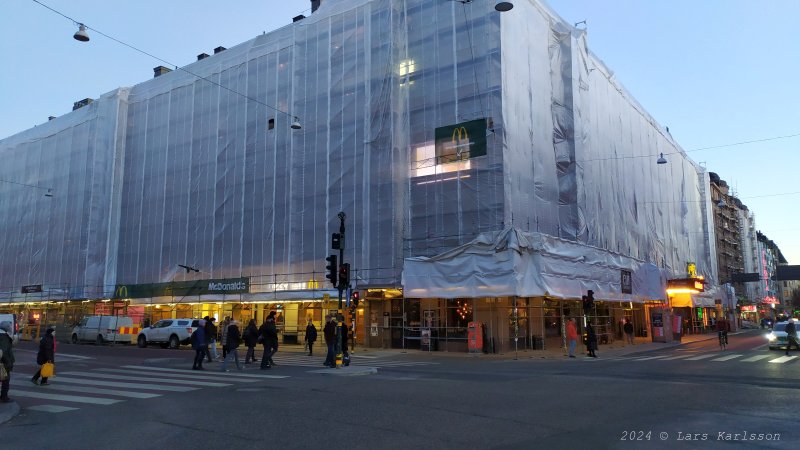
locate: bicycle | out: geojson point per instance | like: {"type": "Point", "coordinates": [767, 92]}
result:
{"type": "Point", "coordinates": [723, 339]}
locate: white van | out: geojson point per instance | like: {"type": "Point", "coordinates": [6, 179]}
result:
{"type": "Point", "coordinates": [102, 329]}
{"type": "Point", "coordinates": [14, 325]}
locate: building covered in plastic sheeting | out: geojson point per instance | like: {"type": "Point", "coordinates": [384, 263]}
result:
{"type": "Point", "coordinates": [434, 125]}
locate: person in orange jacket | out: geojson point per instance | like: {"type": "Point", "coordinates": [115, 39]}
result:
{"type": "Point", "coordinates": [572, 337]}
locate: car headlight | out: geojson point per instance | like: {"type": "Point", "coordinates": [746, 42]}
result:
{"type": "Point", "coordinates": [771, 337]}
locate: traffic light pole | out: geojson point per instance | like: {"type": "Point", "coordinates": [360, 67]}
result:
{"type": "Point", "coordinates": [342, 287]}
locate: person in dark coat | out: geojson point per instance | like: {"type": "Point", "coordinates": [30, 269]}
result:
{"type": "Point", "coordinates": [232, 344]}
{"type": "Point", "coordinates": [269, 336]}
{"type": "Point", "coordinates": [628, 329]}
{"type": "Point", "coordinates": [6, 359]}
{"type": "Point", "coordinates": [47, 354]}
{"type": "Point", "coordinates": [311, 336]}
{"type": "Point", "coordinates": [211, 337]}
{"type": "Point", "coordinates": [345, 353]}
{"type": "Point", "coordinates": [329, 332]}
{"type": "Point", "coordinates": [199, 344]}
{"type": "Point", "coordinates": [591, 340]}
{"type": "Point", "coordinates": [250, 336]}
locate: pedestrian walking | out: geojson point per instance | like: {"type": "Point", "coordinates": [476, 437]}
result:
{"type": "Point", "coordinates": [224, 335]}
{"type": "Point", "coordinates": [6, 358]}
{"type": "Point", "coordinates": [791, 336]}
{"type": "Point", "coordinates": [591, 340]}
{"type": "Point", "coordinates": [572, 337]}
{"type": "Point", "coordinates": [250, 336]}
{"type": "Point", "coordinates": [233, 335]}
{"type": "Point", "coordinates": [211, 337]}
{"type": "Point", "coordinates": [628, 329]}
{"type": "Point", "coordinates": [199, 343]}
{"type": "Point", "coordinates": [47, 354]}
{"type": "Point", "coordinates": [329, 333]}
{"type": "Point", "coordinates": [311, 336]}
{"type": "Point", "coordinates": [269, 336]}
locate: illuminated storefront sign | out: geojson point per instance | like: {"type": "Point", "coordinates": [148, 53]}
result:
{"type": "Point", "coordinates": [686, 285]}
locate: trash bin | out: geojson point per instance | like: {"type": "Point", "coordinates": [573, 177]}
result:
{"type": "Point", "coordinates": [538, 343]}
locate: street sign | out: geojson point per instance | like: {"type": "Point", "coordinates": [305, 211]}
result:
{"type": "Point", "coordinates": [31, 288]}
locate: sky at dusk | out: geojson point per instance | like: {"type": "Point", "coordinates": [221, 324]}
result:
{"type": "Point", "coordinates": [716, 72]}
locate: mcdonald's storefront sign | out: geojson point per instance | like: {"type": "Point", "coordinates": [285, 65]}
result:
{"type": "Point", "coordinates": [461, 141]}
{"type": "Point", "coordinates": [183, 288]}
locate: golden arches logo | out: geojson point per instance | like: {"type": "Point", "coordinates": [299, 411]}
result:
{"type": "Point", "coordinates": [122, 292]}
{"type": "Point", "coordinates": [460, 139]}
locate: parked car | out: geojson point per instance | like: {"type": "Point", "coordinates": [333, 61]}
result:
{"type": "Point", "coordinates": [14, 324]}
{"type": "Point", "coordinates": [777, 337]}
{"type": "Point", "coordinates": [103, 329]}
{"type": "Point", "coordinates": [170, 333]}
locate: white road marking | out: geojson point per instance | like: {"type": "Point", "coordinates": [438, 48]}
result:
{"type": "Point", "coordinates": [726, 358]}
{"type": "Point", "coordinates": [677, 357]}
{"type": "Point", "coordinates": [648, 358]}
{"type": "Point", "coordinates": [93, 390]}
{"type": "Point", "coordinates": [182, 371]}
{"type": "Point", "coordinates": [696, 358]}
{"type": "Point", "coordinates": [193, 376]}
{"type": "Point", "coordinates": [66, 398]}
{"type": "Point", "coordinates": [51, 408]}
{"type": "Point", "coordinates": [782, 359]}
{"type": "Point", "coordinates": [756, 358]}
{"type": "Point", "coordinates": [151, 379]}
{"type": "Point", "coordinates": [149, 387]}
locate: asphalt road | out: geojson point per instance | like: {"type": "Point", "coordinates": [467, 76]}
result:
{"type": "Point", "coordinates": [691, 396]}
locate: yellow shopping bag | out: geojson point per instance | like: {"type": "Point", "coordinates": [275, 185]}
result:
{"type": "Point", "coordinates": [48, 370]}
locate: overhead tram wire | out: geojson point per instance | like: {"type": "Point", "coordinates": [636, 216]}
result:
{"type": "Point", "coordinates": [293, 117]}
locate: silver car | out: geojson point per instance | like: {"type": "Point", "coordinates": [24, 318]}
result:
{"type": "Point", "coordinates": [170, 333]}
{"type": "Point", "coordinates": [777, 337]}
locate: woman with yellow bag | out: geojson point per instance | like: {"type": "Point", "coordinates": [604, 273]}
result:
{"type": "Point", "coordinates": [45, 358]}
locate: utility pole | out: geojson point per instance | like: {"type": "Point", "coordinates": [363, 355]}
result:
{"type": "Point", "coordinates": [344, 284]}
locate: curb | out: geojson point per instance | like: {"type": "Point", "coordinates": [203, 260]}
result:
{"type": "Point", "coordinates": [8, 411]}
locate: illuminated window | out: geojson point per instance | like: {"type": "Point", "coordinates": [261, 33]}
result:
{"type": "Point", "coordinates": [406, 67]}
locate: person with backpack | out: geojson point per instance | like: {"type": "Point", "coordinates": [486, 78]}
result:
{"type": "Point", "coordinates": [250, 337]}
{"type": "Point", "coordinates": [311, 336]}
{"type": "Point", "coordinates": [791, 336]}
{"type": "Point", "coordinates": [199, 344]}
{"type": "Point", "coordinates": [233, 335]}
{"type": "Point", "coordinates": [47, 352]}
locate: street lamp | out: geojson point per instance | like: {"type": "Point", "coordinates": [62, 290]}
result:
{"type": "Point", "coordinates": [661, 159]}
{"type": "Point", "coordinates": [81, 34]}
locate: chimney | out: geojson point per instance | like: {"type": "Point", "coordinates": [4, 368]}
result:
{"type": "Point", "coordinates": [219, 49]}
{"type": "Point", "coordinates": [298, 18]}
{"type": "Point", "coordinates": [81, 103]}
{"type": "Point", "coordinates": [202, 56]}
{"type": "Point", "coordinates": [160, 70]}
{"type": "Point", "coordinates": [51, 118]}
{"type": "Point", "coordinates": [315, 5]}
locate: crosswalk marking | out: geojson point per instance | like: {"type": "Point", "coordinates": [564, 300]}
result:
{"type": "Point", "coordinates": [149, 387]}
{"type": "Point", "coordinates": [756, 358]}
{"type": "Point", "coordinates": [192, 376]}
{"type": "Point", "coordinates": [782, 359]}
{"type": "Point", "coordinates": [648, 358]}
{"type": "Point", "coordinates": [725, 358]}
{"type": "Point", "coordinates": [66, 398]}
{"type": "Point", "coordinates": [697, 358]}
{"type": "Point", "coordinates": [671, 358]}
{"type": "Point", "coordinates": [160, 380]}
{"type": "Point", "coordinates": [93, 390]}
{"type": "Point", "coordinates": [51, 408]}
{"type": "Point", "coordinates": [187, 371]}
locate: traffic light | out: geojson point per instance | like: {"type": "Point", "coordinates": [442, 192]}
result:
{"type": "Point", "coordinates": [588, 302]}
{"type": "Point", "coordinates": [332, 269]}
{"type": "Point", "coordinates": [336, 241]}
{"type": "Point", "coordinates": [355, 299]}
{"type": "Point", "coordinates": [344, 275]}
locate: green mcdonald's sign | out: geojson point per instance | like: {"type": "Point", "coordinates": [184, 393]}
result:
{"type": "Point", "coordinates": [461, 141]}
{"type": "Point", "coordinates": [184, 288]}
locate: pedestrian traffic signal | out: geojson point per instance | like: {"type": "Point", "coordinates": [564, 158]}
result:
{"type": "Point", "coordinates": [332, 269]}
{"type": "Point", "coordinates": [344, 276]}
{"type": "Point", "coordinates": [336, 241]}
{"type": "Point", "coordinates": [355, 298]}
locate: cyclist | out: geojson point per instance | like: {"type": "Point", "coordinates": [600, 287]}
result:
{"type": "Point", "coordinates": [722, 330]}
